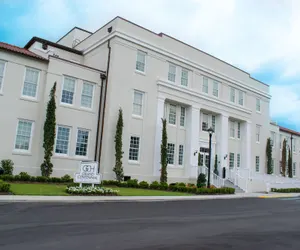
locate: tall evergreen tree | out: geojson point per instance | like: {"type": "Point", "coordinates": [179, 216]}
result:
{"type": "Point", "coordinates": [290, 167]}
{"type": "Point", "coordinates": [216, 171]}
{"type": "Point", "coordinates": [163, 153]}
{"type": "Point", "coordinates": [49, 134]}
{"type": "Point", "coordinates": [283, 158]}
{"type": "Point", "coordinates": [118, 169]}
{"type": "Point", "coordinates": [269, 156]}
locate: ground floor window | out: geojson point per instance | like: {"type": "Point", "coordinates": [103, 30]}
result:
{"type": "Point", "coordinates": [257, 163]}
{"type": "Point", "coordinates": [231, 160]}
{"type": "Point", "coordinates": [170, 153]}
{"type": "Point", "coordinates": [134, 148]}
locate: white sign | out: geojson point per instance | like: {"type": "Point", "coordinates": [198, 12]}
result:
{"type": "Point", "coordinates": [88, 173]}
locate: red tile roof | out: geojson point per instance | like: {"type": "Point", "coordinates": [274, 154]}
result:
{"type": "Point", "coordinates": [15, 49]}
{"type": "Point", "coordinates": [288, 131]}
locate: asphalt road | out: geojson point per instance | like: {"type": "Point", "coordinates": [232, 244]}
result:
{"type": "Point", "coordinates": [241, 224]}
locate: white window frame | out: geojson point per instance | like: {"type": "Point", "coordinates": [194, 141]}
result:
{"type": "Point", "coordinates": [2, 76]}
{"type": "Point", "coordinates": [174, 115]}
{"type": "Point", "coordinates": [257, 133]}
{"type": "Point", "coordinates": [231, 160]}
{"type": "Point", "coordinates": [87, 145]}
{"type": "Point", "coordinates": [171, 74]}
{"type": "Point", "coordinates": [182, 116]}
{"type": "Point", "coordinates": [181, 155]}
{"type": "Point", "coordinates": [257, 164]}
{"type": "Point", "coordinates": [74, 93]}
{"type": "Point", "coordinates": [144, 54]}
{"type": "Point", "coordinates": [238, 130]}
{"type": "Point", "coordinates": [232, 94]}
{"type": "Point", "coordinates": [37, 83]}
{"type": "Point", "coordinates": [205, 122]}
{"type": "Point", "coordinates": [30, 139]}
{"type": "Point", "coordinates": [69, 140]}
{"type": "Point", "coordinates": [215, 88]}
{"type": "Point", "coordinates": [205, 85]}
{"type": "Point", "coordinates": [93, 90]}
{"type": "Point", "coordinates": [241, 98]}
{"type": "Point", "coordinates": [232, 129]}
{"type": "Point", "coordinates": [238, 160]}
{"type": "Point", "coordinates": [174, 149]}
{"type": "Point", "coordinates": [258, 105]}
{"type": "Point", "coordinates": [138, 104]}
{"type": "Point", "coordinates": [130, 148]}
{"type": "Point", "coordinates": [183, 79]}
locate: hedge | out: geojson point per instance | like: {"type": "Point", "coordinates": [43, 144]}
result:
{"type": "Point", "coordinates": [25, 177]}
{"type": "Point", "coordinates": [4, 187]}
{"type": "Point", "coordinates": [92, 191]}
{"type": "Point", "coordinates": [285, 190]}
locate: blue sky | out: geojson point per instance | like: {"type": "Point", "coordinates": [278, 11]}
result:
{"type": "Point", "coordinates": [260, 37]}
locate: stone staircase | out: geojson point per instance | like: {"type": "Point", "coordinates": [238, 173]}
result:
{"type": "Point", "coordinates": [228, 183]}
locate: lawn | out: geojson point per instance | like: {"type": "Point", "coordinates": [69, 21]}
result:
{"type": "Point", "coordinates": [56, 189]}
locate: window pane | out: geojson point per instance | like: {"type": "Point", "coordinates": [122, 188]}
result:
{"type": "Point", "coordinates": [172, 73]}
{"type": "Point", "coordinates": [257, 104]}
{"type": "Point", "coordinates": [238, 160]}
{"type": "Point", "coordinates": [140, 61]}
{"type": "Point", "coordinates": [30, 83]}
{"type": "Point", "coordinates": [241, 98]}
{"type": "Point", "coordinates": [23, 135]}
{"type": "Point", "coordinates": [232, 129]}
{"type": "Point", "coordinates": [68, 90]}
{"type": "Point", "coordinates": [170, 153]}
{"type": "Point", "coordinates": [82, 142]}
{"type": "Point", "coordinates": [216, 89]}
{"type": "Point", "coordinates": [184, 77]}
{"type": "Point", "coordinates": [239, 130]}
{"type": "Point", "coordinates": [134, 148]}
{"type": "Point", "coordinates": [172, 114]}
{"type": "Point", "coordinates": [232, 94]}
{"type": "Point", "coordinates": [2, 65]}
{"type": "Point", "coordinates": [204, 122]}
{"type": "Point", "coordinates": [87, 95]}
{"type": "Point", "coordinates": [137, 103]}
{"type": "Point", "coordinates": [231, 160]}
{"type": "Point", "coordinates": [182, 116]}
{"type": "Point", "coordinates": [205, 85]}
{"type": "Point", "coordinates": [62, 140]}
{"type": "Point", "coordinates": [257, 163]}
{"type": "Point", "coordinates": [213, 122]}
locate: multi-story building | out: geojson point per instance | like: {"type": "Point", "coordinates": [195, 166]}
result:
{"type": "Point", "coordinates": [150, 76]}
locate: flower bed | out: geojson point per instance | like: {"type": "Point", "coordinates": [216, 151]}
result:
{"type": "Point", "coordinates": [91, 191]}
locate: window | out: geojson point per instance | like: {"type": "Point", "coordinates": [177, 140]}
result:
{"type": "Point", "coordinates": [238, 160]}
{"type": "Point", "coordinates": [82, 142]}
{"type": "Point", "coordinates": [134, 148]}
{"type": "Point", "coordinates": [23, 137]}
{"type": "Point", "coordinates": [232, 95]}
{"type": "Point", "coordinates": [257, 105]}
{"type": "Point", "coordinates": [172, 114]}
{"type": "Point", "coordinates": [257, 163]}
{"type": "Point", "coordinates": [170, 153]}
{"type": "Point", "coordinates": [137, 103]}
{"type": "Point", "coordinates": [231, 160]}
{"type": "Point", "coordinates": [272, 139]}
{"type": "Point", "coordinates": [180, 155]}
{"type": "Point", "coordinates": [232, 129]}
{"type": "Point", "coordinates": [204, 122]}
{"type": "Point", "coordinates": [140, 61]}
{"type": "Point", "coordinates": [213, 122]}
{"type": "Point", "coordinates": [239, 130]}
{"type": "Point", "coordinates": [241, 98]}
{"type": "Point", "coordinates": [2, 67]}
{"type": "Point", "coordinates": [294, 169]}
{"type": "Point", "coordinates": [294, 145]}
{"type": "Point", "coordinates": [62, 140]}
{"type": "Point", "coordinates": [68, 90]}
{"type": "Point", "coordinates": [87, 95]}
{"type": "Point", "coordinates": [172, 73]}
{"type": "Point", "coordinates": [184, 77]}
{"type": "Point", "coordinates": [182, 116]}
{"type": "Point", "coordinates": [205, 85]}
{"type": "Point", "coordinates": [30, 83]}
{"type": "Point", "coordinates": [216, 89]}
{"type": "Point", "coordinates": [257, 133]}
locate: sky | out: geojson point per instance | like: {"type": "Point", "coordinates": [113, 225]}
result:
{"type": "Point", "coordinates": [259, 36]}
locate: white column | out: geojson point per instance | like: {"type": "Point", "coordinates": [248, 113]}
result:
{"type": "Point", "coordinates": [191, 169]}
{"type": "Point", "coordinates": [158, 135]}
{"type": "Point", "coordinates": [223, 143]}
{"type": "Point", "coordinates": [247, 157]}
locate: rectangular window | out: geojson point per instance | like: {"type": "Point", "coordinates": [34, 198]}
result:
{"type": "Point", "coordinates": [180, 155]}
{"type": "Point", "coordinates": [62, 140]}
{"type": "Point", "coordinates": [87, 95]}
{"type": "Point", "coordinates": [170, 153]}
{"type": "Point", "coordinates": [68, 90]}
{"type": "Point", "coordinates": [241, 98]}
{"type": "Point", "coordinates": [23, 137]}
{"type": "Point", "coordinates": [257, 104]}
{"type": "Point", "coordinates": [238, 160]}
{"type": "Point", "coordinates": [134, 148]}
{"type": "Point", "coordinates": [232, 129]}
{"type": "Point", "coordinates": [140, 61]}
{"type": "Point", "coordinates": [216, 89]}
{"type": "Point", "coordinates": [294, 169]}
{"type": "Point", "coordinates": [204, 122]}
{"type": "Point", "coordinates": [30, 83]}
{"type": "Point", "coordinates": [272, 139]}
{"type": "Point", "coordinates": [82, 142]}
{"type": "Point", "coordinates": [184, 77]}
{"type": "Point", "coordinates": [172, 73]}
{"type": "Point", "coordinates": [213, 122]}
{"type": "Point", "coordinates": [294, 145]}
{"type": "Point", "coordinates": [205, 85]}
{"type": "Point", "coordinates": [182, 116]}
{"type": "Point", "coordinates": [232, 95]}
{"type": "Point", "coordinates": [137, 103]}
{"type": "Point", "coordinates": [257, 163]}
{"type": "Point", "coordinates": [231, 160]}
{"type": "Point", "coordinates": [239, 130]}
{"type": "Point", "coordinates": [2, 67]}
{"type": "Point", "coordinates": [172, 114]}
{"type": "Point", "coordinates": [257, 133]}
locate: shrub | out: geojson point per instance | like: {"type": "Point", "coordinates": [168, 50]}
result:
{"type": "Point", "coordinates": [181, 184]}
{"type": "Point", "coordinates": [42, 179]}
{"type": "Point", "coordinates": [163, 186]}
{"type": "Point", "coordinates": [123, 184]}
{"type": "Point", "coordinates": [4, 187]}
{"type": "Point", "coordinates": [32, 178]}
{"type": "Point", "coordinates": [132, 183]}
{"type": "Point", "coordinates": [7, 177]}
{"type": "Point", "coordinates": [154, 185]}
{"type": "Point", "coordinates": [91, 191]}
{"type": "Point", "coordinates": [144, 184]}
{"type": "Point", "coordinates": [206, 191]}
{"type": "Point", "coordinates": [24, 176]}
{"type": "Point", "coordinates": [55, 179]}
{"type": "Point", "coordinates": [201, 180]}
{"type": "Point", "coordinates": [285, 190]}
{"type": "Point", "coordinates": [191, 185]}
{"type": "Point", "coordinates": [7, 166]}
{"type": "Point", "coordinates": [110, 183]}
{"type": "Point", "coordinates": [66, 178]}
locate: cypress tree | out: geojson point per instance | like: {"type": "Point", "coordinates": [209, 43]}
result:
{"type": "Point", "coordinates": [118, 169]}
{"type": "Point", "coordinates": [283, 158]}
{"type": "Point", "coordinates": [269, 156]}
{"type": "Point", "coordinates": [163, 153]}
{"type": "Point", "coordinates": [49, 134]}
{"type": "Point", "coordinates": [290, 167]}
{"type": "Point", "coordinates": [216, 165]}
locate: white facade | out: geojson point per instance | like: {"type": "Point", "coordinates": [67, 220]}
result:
{"type": "Point", "coordinates": [150, 76]}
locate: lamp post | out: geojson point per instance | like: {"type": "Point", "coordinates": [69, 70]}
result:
{"type": "Point", "coordinates": [210, 131]}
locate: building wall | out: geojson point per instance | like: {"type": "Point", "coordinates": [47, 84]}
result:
{"type": "Point", "coordinates": [75, 34]}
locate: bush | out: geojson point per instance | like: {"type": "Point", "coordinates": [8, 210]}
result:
{"type": "Point", "coordinates": [4, 187]}
{"type": "Point", "coordinates": [154, 185]}
{"type": "Point", "coordinates": [191, 185]}
{"type": "Point", "coordinates": [163, 186]}
{"type": "Point", "coordinates": [91, 191]}
{"type": "Point", "coordinates": [132, 183]}
{"type": "Point", "coordinates": [201, 180]}
{"type": "Point", "coordinates": [181, 184]}
{"type": "Point", "coordinates": [7, 166]}
{"type": "Point", "coordinates": [122, 184]}
{"type": "Point", "coordinates": [24, 176]}
{"type": "Point", "coordinates": [32, 179]}
{"type": "Point", "coordinates": [285, 190]}
{"type": "Point", "coordinates": [42, 179]}
{"type": "Point", "coordinates": [55, 179]}
{"type": "Point", "coordinates": [110, 183]}
{"type": "Point", "coordinates": [7, 177]}
{"type": "Point", "coordinates": [206, 191]}
{"type": "Point", "coordinates": [66, 178]}
{"type": "Point", "coordinates": [144, 184]}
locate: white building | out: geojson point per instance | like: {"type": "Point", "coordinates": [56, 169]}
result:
{"type": "Point", "coordinates": [150, 76]}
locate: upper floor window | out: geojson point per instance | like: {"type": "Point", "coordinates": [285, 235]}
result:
{"type": "Point", "coordinates": [140, 61]}
{"type": "Point", "coordinates": [184, 77]}
{"type": "Point", "coordinates": [232, 129]}
{"type": "Point", "coordinates": [68, 90]}
{"type": "Point", "coordinates": [257, 105]}
{"type": "Point", "coordinates": [204, 122]}
{"type": "Point", "coordinates": [172, 114]}
{"type": "Point", "coordinates": [62, 140]}
{"type": "Point", "coordinates": [87, 95]}
{"type": "Point", "coordinates": [30, 83]}
{"type": "Point", "coordinates": [205, 85]}
{"type": "Point", "coordinates": [239, 130]}
{"type": "Point", "coordinates": [294, 145]}
{"type": "Point", "coordinates": [2, 67]}
{"type": "Point", "coordinates": [241, 98]}
{"type": "Point", "coordinates": [82, 142]}
{"type": "Point", "coordinates": [257, 133]}
{"type": "Point", "coordinates": [216, 89]}
{"type": "Point", "coordinates": [213, 122]}
{"type": "Point", "coordinates": [232, 94]}
{"type": "Point", "coordinates": [172, 73]}
{"type": "Point", "coordinates": [24, 135]}
{"type": "Point", "coordinates": [138, 103]}
{"type": "Point", "coordinates": [182, 116]}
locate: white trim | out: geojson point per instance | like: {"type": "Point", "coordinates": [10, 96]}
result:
{"type": "Point", "coordinates": [139, 152]}
{"type": "Point", "coordinates": [23, 151]}
{"type": "Point", "coordinates": [136, 60]}
{"type": "Point", "coordinates": [69, 141]}
{"type": "Point", "coordinates": [92, 103]}
{"type": "Point", "coordinates": [3, 77]}
{"type": "Point", "coordinates": [35, 98]}
{"type": "Point", "coordinates": [62, 88]}
{"type": "Point", "coordinates": [88, 143]}
{"type": "Point", "coordinates": [132, 104]}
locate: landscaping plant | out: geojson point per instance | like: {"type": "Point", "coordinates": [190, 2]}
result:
{"type": "Point", "coordinates": [283, 158]}
{"type": "Point", "coordinates": [269, 156]}
{"type": "Point", "coordinates": [118, 169]}
{"type": "Point", "coordinates": [201, 180]}
{"type": "Point", "coordinates": [290, 166]}
{"type": "Point", "coordinates": [163, 153]}
{"type": "Point", "coordinates": [91, 191]}
{"type": "Point", "coordinates": [7, 166]}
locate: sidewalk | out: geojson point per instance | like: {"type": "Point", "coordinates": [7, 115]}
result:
{"type": "Point", "coordinates": [26, 198]}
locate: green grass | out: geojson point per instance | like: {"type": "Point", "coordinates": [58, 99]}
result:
{"type": "Point", "coordinates": [56, 189]}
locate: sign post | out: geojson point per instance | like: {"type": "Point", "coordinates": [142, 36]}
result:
{"type": "Point", "coordinates": [88, 173]}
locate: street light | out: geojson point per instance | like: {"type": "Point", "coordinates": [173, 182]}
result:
{"type": "Point", "coordinates": [210, 131]}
